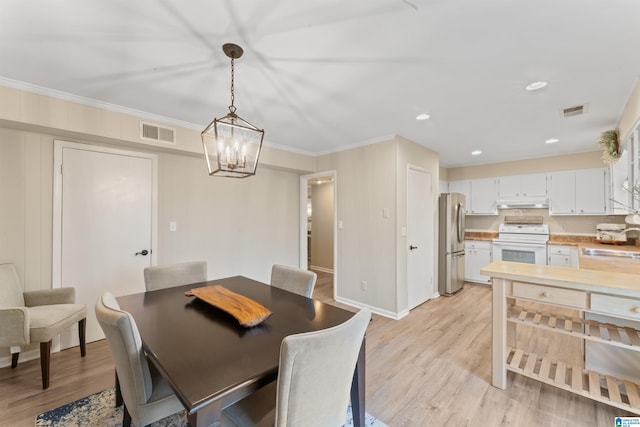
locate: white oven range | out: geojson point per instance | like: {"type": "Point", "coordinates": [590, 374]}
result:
{"type": "Point", "coordinates": [521, 243]}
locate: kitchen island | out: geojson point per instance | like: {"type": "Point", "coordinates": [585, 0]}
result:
{"type": "Point", "coordinates": [613, 294]}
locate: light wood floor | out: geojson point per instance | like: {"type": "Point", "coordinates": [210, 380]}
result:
{"type": "Point", "coordinates": [431, 368]}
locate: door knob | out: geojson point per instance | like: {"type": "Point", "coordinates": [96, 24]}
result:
{"type": "Point", "coordinates": [143, 252]}
{"type": "Point", "coordinates": [411, 247]}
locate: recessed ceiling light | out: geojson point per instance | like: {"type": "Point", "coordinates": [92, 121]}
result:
{"type": "Point", "coordinates": [551, 141]}
{"type": "Point", "coordinates": [535, 86]}
{"type": "Point", "coordinates": [422, 116]}
{"type": "Point", "coordinates": [476, 152]}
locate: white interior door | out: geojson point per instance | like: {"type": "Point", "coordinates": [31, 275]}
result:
{"type": "Point", "coordinates": [420, 235]}
{"type": "Point", "coordinates": [104, 219]}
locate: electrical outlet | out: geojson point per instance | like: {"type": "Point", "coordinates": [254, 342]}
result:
{"type": "Point", "coordinates": [363, 285]}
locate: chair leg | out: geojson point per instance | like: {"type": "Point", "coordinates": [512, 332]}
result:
{"type": "Point", "coordinates": [14, 359]}
{"type": "Point", "coordinates": [119, 400]}
{"type": "Point", "coordinates": [45, 359]}
{"type": "Point", "coordinates": [82, 328]}
{"type": "Point", "coordinates": [126, 417]}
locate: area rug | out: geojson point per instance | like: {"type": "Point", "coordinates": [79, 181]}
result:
{"type": "Point", "coordinates": [98, 410]}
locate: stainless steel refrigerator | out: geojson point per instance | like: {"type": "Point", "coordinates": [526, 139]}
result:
{"type": "Point", "coordinates": [451, 243]}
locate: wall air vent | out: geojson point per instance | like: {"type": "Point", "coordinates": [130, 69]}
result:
{"type": "Point", "coordinates": [153, 132]}
{"type": "Point", "coordinates": [576, 110]}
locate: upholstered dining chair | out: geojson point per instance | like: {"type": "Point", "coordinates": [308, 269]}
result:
{"type": "Point", "coordinates": [147, 395]}
{"type": "Point", "coordinates": [314, 380]}
{"type": "Point", "coordinates": [166, 276]}
{"type": "Point", "coordinates": [293, 279]}
{"type": "Point", "coordinates": [36, 317]}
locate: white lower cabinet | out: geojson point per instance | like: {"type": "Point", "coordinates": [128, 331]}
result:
{"type": "Point", "coordinates": [477, 255]}
{"type": "Point", "coordinates": [562, 255]}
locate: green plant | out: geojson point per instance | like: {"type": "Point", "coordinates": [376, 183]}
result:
{"type": "Point", "coordinates": [609, 143]}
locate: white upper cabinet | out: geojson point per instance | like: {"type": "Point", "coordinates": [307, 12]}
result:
{"type": "Point", "coordinates": [534, 185]}
{"type": "Point", "coordinates": [620, 172]}
{"type": "Point", "coordinates": [484, 193]}
{"type": "Point", "coordinates": [480, 195]}
{"type": "Point", "coordinates": [509, 187]}
{"type": "Point", "coordinates": [562, 188]}
{"type": "Point", "coordinates": [634, 144]}
{"type": "Point", "coordinates": [464, 187]}
{"type": "Point", "coordinates": [625, 177]}
{"type": "Point", "coordinates": [522, 186]}
{"type": "Point", "coordinates": [582, 192]}
{"type": "Point", "coordinates": [591, 191]}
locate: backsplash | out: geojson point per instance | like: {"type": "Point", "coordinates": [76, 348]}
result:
{"type": "Point", "coordinates": [558, 224]}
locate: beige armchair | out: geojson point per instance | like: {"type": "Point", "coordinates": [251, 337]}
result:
{"type": "Point", "coordinates": [183, 273]}
{"type": "Point", "coordinates": [147, 395]}
{"type": "Point", "coordinates": [314, 380]}
{"type": "Point", "coordinates": [36, 316]}
{"type": "Point", "coordinates": [293, 279]}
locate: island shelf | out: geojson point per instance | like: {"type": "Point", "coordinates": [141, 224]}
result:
{"type": "Point", "coordinates": [558, 290]}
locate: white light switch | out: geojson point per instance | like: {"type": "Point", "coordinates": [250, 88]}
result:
{"type": "Point", "coordinates": [403, 231]}
{"type": "Point", "coordinates": [173, 226]}
{"type": "Point", "coordinates": [385, 213]}
{"type": "Point", "coordinates": [340, 224]}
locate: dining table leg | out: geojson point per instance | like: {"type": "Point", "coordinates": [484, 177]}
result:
{"type": "Point", "coordinates": [209, 416]}
{"type": "Point", "coordinates": [358, 388]}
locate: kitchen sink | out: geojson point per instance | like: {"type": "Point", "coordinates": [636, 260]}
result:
{"type": "Point", "coordinates": [611, 253]}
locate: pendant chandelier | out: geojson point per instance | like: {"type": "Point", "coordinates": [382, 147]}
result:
{"type": "Point", "coordinates": [231, 144]}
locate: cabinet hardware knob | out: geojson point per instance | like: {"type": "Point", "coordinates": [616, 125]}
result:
{"type": "Point", "coordinates": [547, 295]}
{"type": "Point", "coordinates": [637, 309]}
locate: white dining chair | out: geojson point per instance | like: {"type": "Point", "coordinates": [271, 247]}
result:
{"type": "Point", "coordinates": [147, 395]}
{"type": "Point", "coordinates": [37, 316]}
{"type": "Point", "coordinates": [293, 279]}
{"type": "Point", "coordinates": [314, 380]}
{"type": "Point", "coordinates": [166, 276]}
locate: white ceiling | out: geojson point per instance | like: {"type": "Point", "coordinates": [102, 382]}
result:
{"type": "Point", "coordinates": [321, 75]}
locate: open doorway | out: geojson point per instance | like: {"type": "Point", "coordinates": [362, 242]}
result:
{"type": "Point", "coordinates": [318, 232]}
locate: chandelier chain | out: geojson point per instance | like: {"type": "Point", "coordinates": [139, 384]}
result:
{"type": "Point", "coordinates": [232, 107]}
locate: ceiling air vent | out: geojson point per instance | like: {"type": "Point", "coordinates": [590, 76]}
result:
{"type": "Point", "coordinates": [573, 111]}
{"type": "Point", "coordinates": [152, 132]}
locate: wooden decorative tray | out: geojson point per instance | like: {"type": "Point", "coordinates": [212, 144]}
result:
{"type": "Point", "coordinates": [246, 311]}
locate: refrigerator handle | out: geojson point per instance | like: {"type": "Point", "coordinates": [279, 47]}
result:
{"type": "Point", "coordinates": [460, 222]}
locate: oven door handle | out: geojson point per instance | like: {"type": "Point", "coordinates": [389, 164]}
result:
{"type": "Point", "coordinates": [520, 244]}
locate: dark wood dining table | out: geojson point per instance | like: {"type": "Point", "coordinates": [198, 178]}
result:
{"type": "Point", "coordinates": [210, 360]}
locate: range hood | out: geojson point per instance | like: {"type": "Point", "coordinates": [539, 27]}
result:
{"type": "Point", "coordinates": [523, 202]}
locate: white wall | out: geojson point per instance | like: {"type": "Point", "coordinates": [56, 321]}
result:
{"type": "Point", "coordinates": [371, 248]}
{"type": "Point", "coordinates": [365, 185]}
{"type": "Point", "coordinates": [631, 114]}
{"type": "Point", "coordinates": [26, 204]}
{"type": "Point", "coordinates": [239, 226]}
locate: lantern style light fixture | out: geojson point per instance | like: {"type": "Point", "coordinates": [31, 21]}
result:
{"type": "Point", "coordinates": [231, 144]}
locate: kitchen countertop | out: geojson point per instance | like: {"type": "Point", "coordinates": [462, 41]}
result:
{"type": "Point", "coordinates": [480, 235]}
{"type": "Point", "coordinates": [585, 262]}
{"type": "Point", "coordinates": [600, 263]}
{"type": "Point", "coordinates": [606, 263]}
{"type": "Point", "coordinates": [587, 280]}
